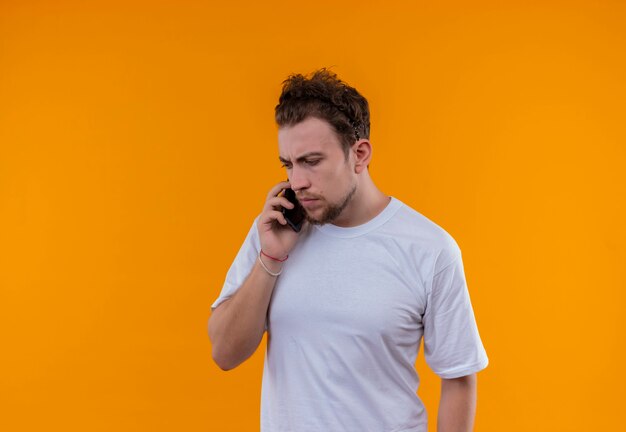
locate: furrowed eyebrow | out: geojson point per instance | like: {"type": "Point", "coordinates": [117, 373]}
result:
{"type": "Point", "coordinates": [303, 157]}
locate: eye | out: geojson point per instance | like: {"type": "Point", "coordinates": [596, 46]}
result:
{"type": "Point", "coordinates": [312, 162]}
{"type": "Point", "coordinates": [288, 166]}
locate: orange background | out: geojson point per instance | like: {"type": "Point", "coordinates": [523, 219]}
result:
{"type": "Point", "coordinates": [137, 144]}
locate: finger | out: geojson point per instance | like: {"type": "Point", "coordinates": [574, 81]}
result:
{"type": "Point", "coordinates": [278, 189]}
{"type": "Point", "coordinates": [279, 202]}
{"type": "Point", "coordinates": [275, 215]}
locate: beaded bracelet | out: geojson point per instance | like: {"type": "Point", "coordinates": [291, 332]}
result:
{"type": "Point", "coordinates": [268, 270]}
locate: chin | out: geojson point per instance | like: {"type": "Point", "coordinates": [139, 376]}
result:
{"type": "Point", "coordinates": [313, 220]}
{"type": "Point", "coordinates": [326, 215]}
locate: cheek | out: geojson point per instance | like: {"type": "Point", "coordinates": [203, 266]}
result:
{"type": "Point", "coordinates": [330, 181]}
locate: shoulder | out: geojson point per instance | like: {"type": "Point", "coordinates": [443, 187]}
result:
{"type": "Point", "coordinates": [415, 228]}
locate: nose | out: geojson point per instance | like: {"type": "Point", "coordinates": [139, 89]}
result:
{"type": "Point", "coordinates": [298, 179]}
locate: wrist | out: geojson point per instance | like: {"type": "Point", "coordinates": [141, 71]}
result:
{"type": "Point", "coordinates": [274, 268]}
{"type": "Point", "coordinates": [275, 258]}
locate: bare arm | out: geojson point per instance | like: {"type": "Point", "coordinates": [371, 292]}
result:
{"type": "Point", "coordinates": [457, 406]}
{"type": "Point", "coordinates": [237, 325]}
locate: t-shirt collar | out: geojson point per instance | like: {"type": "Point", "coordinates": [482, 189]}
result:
{"type": "Point", "coordinates": [347, 232]}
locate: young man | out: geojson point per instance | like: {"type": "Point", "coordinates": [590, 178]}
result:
{"type": "Point", "coordinates": [346, 300]}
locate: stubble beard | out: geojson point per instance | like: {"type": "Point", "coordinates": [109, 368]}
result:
{"type": "Point", "coordinates": [333, 211]}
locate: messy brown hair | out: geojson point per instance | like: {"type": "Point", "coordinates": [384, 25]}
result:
{"type": "Point", "coordinates": [324, 96]}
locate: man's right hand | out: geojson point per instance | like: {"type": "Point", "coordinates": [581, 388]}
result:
{"type": "Point", "coordinates": [277, 238]}
{"type": "Point", "coordinates": [237, 325]}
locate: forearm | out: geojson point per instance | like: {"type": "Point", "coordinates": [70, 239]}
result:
{"type": "Point", "coordinates": [457, 406]}
{"type": "Point", "coordinates": [236, 327]}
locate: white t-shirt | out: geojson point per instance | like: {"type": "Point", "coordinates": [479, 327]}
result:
{"type": "Point", "coordinates": [346, 318]}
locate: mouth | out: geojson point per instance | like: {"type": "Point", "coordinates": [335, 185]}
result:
{"type": "Point", "coordinates": [303, 199]}
{"type": "Point", "coordinates": [307, 202]}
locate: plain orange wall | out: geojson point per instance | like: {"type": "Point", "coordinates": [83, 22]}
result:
{"type": "Point", "coordinates": [137, 144]}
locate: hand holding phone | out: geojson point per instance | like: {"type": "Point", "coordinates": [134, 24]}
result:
{"type": "Point", "coordinates": [280, 221]}
{"type": "Point", "coordinates": [295, 216]}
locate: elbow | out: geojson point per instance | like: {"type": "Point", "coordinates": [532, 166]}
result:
{"type": "Point", "coordinates": [220, 358]}
{"type": "Point", "coordinates": [223, 366]}
{"type": "Point", "coordinates": [227, 351]}
{"type": "Point", "coordinates": [223, 361]}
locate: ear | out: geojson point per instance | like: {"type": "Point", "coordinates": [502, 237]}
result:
{"type": "Point", "coordinates": [362, 151]}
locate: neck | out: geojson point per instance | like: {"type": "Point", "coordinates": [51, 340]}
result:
{"type": "Point", "coordinates": [367, 203]}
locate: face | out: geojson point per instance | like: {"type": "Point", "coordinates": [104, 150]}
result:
{"type": "Point", "coordinates": [323, 180]}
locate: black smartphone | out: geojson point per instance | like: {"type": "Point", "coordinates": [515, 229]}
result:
{"type": "Point", "coordinates": [295, 216]}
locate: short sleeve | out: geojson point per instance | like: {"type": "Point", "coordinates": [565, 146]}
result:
{"type": "Point", "coordinates": [241, 266]}
{"type": "Point", "coordinates": [452, 345]}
